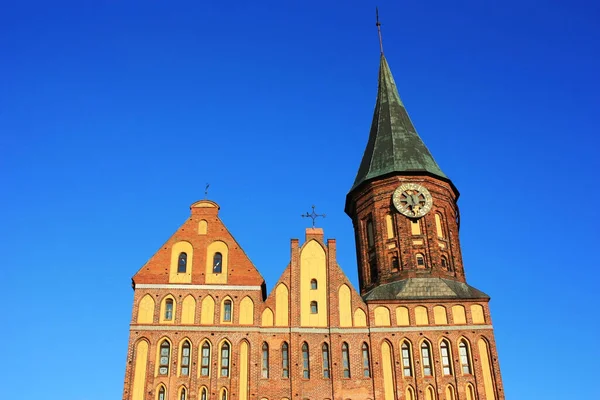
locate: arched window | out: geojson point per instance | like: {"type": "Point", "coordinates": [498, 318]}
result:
{"type": "Point", "coordinates": [345, 361]}
{"type": "Point", "coordinates": [185, 358]}
{"type": "Point", "coordinates": [162, 393]}
{"type": "Point", "coordinates": [426, 359]}
{"type": "Point", "coordinates": [420, 260]}
{"type": "Point", "coordinates": [370, 234]}
{"type": "Point", "coordinates": [217, 263]}
{"type": "Point", "coordinates": [313, 284]}
{"type": "Point", "coordinates": [285, 360]}
{"type": "Point", "coordinates": [169, 309]}
{"type": "Point", "coordinates": [439, 227]}
{"type": "Point", "coordinates": [445, 353]}
{"type": "Point", "coordinates": [223, 394]}
{"type": "Point", "coordinates": [444, 263]}
{"type": "Point", "coordinates": [325, 352]}
{"type": "Point", "coordinates": [365, 361]}
{"type": "Point", "coordinates": [305, 361]}
{"type": "Point", "coordinates": [406, 359]}
{"type": "Point", "coordinates": [227, 311]}
{"type": "Point", "coordinates": [182, 263]}
{"type": "Point", "coordinates": [465, 360]}
{"type": "Point", "coordinates": [203, 394]}
{"type": "Point", "coordinates": [165, 355]}
{"type": "Point", "coordinates": [314, 307]}
{"type": "Point", "coordinates": [265, 360]}
{"type": "Point", "coordinates": [395, 264]}
{"type": "Point", "coordinates": [205, 359]}
{"type": "Point", "coordinates": [225, 359]}
{"type": "Point", "coordinates": [183, 395]}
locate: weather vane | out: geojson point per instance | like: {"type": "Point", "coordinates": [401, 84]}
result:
{"type": "Point", "coordinates": [378, 25]}
{"type": "Point", "coordinates": [206, 191]}
{"type": "Point", "coordinates": [312, 215]}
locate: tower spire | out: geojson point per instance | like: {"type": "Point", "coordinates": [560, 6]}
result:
{"type": "Point", "coordinates": [378, 25]}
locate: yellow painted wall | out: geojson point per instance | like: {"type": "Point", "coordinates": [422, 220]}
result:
{"type": "Point", "coordinates": [470, 392]}
{"type": "Point", "coordinates": [139, 376]}
{"type": "Point", "coordinates": [439, 315]}
{"type": "Point", "coordinates": [281, 305]}
{"type": "Point", "coordinates": [184, 277]}
{"type": "Point", "coordinates": [163, 308]}
{"type": "Point", "coordinates": [207, 312]}
{"type": "Point", "coordinates": [223, 310]}
{"type": "Point", "coordinates": [388, 375]}
{"type": "Point", "coordinates": [438, 226]}
{"type": "Point", "coordinates": [202, 227]}
{"type": "Point", "coordinates": [345, 306]}
{"type": "Point", "coordinates": [360, 318]}
{"type": "Point", "coordinates": [188, 310]}
{"type": "Point", "coordinates": [421, 317]}
{"type": "Point", "coordinates": [216, 247]}
{"type": "Point", "coordinates": [488, 382]}
{"type": "Point", "coordinates": [402, 318]}
{"type": "Point", "coordinates": [313, 265]}
{"type": "Point", "coordinates": [415, 227]}
{"type": "Point", "coordinates": [243, 376]}
{"type": "Point", "coordinates": [450, 392]}
{"type": "Point", "coordinates": [458, 314]}
{"type": "Point", "coordinates": [477, 314]}
{"type": "Point", "coordinates": [429, 393]}
{"type": "Point", "coordinates": [410, 393]}
{"type": "Point", "coordinates": [267, 317]}
{"type": "Point", "coordinates": [382, 316]}
{"type": "Point", "coordinates": [146, 310]}
{"type": "Point", "coordinates": [389, 226]}
{"type": "Point", "coordinates": [246, 311]}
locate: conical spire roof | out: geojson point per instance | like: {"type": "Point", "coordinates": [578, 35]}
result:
{"type": "Point", "coordinates": [394, 145]}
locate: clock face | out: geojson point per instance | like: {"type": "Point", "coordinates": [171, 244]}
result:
{"type": "Point", "coordinates": [412, 200]}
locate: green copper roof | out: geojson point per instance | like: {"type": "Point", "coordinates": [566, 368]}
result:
{"type": "Point", "coordinates": [394, 144]}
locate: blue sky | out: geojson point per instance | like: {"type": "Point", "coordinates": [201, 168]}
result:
{"type": "Point", "coordinates": [115, 114]}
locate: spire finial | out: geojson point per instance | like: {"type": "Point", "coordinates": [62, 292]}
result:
{"type": "Point", "coordinates": [378, 25]}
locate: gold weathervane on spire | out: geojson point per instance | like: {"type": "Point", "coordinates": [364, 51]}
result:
{"type": "Point", "coordinates": [378, 25]}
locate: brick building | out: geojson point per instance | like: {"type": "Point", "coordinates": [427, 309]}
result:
{"type": "Point", "coordinates": [203, 326]}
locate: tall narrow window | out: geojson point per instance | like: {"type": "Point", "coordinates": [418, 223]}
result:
{"type": "Point", "coordinates": [426, 359]}
{"type": "Point", "coordinates": [225, 359]}
{"type": "Point", "coordinates": [313, 284]}
{"type": "Point", "coordinates": [169, 309]}
{"type": "Point", "coordinates": [314, 307]}
{"type": "Point", "coordinates": [285, 360]}
{"type": "Point", "coordinates": [406, 365]}
{"type": "Point", "coordinates": [183, 395]}
{"type": "Point", "coordinates": [224, 394]}
{"type": "Point", "coordinates": [465, 361]}
{"type": "Point", "coordinates": [325, 351]}
{"type": "Point", "coordinates": [345, 361]}
{"type": "Point", "coordinates": [420, 260]}
{"type": "Point", "coordinates": [227, 311]}
{"type": "Point", "coordinates": [445, 353]}
{"type": "Point", "coordinates": [265, 360]}
{"type": "Point", "coordinates": [373, 270]}
{"type": "Point", "coordinates": [444, 263]}
{"type": "Point", "coordinates": [305, 361]}
{"type": "Point", "coordinates": [217, 263]}
{"type": "Point", "coordinates": [203, 394]}
{"type": "Point", "coordinates": [182, 263]}
{"type": "Point", "coordinates": [370, 234]}
{"type": "Point", "coordinates": [185, 358]}
{"type": "Point", "coordinates": [365, 361]}
{"type": "Point", "coordinates": [162, 393]}
{"type": "Point", "coordinates": [395, 264]}
{"type": "Point", "coordinates": [438, 226]}
{"type": "Point", "coordinates": [165, 353]}
{"type": "Point", "coordinates": [205, 361]}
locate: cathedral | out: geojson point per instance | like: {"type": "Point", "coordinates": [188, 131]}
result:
{"type": "Point", "coordinates": [204, 327]}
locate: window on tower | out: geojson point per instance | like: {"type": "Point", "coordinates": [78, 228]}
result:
{"type": "Point", "coordinates": [182, 263]}
{"type": "Point", "coordinates": [183, 394]}
{"type": "Point", "coordinates": [313, 284]}
{"type": "Point", "coordinates": [217, 263]}
{"type": "Point", "coordinates": [314, 307]}
{"type": "Point", "coordinates": [162, 393]}
{"type": "Point", "coordinates": [373, 270]}
{"type": "Point", "coordinates": [204, 394]}
{"type": "Point", "coordinates": [395, 264]}
{"type": "Point", "coordinates": [420, 260]}
{"type": "Point", "coordinates": [444, 263]}
{"type": "Point", "coordinates": [370, 234]}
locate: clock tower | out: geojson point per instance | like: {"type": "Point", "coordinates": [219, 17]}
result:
{"type": "Point", "coordinates": [403, 207]}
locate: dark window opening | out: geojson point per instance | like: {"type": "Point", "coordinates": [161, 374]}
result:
{"type": "Point", "coordinates": [182, 263]}
{"type": "Point", "coordinates": [314, 307]}
{"type": "Point", "coordinates": [313, 284]}
{"type": "Point", "coordinates": [217, 263]}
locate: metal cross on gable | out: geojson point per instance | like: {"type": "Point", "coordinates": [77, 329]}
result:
{"type": "Point", "coordinates": [312, 215]}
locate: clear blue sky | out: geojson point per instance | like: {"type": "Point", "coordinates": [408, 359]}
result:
{"type": "Point", "coordinates": [113, 117]}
